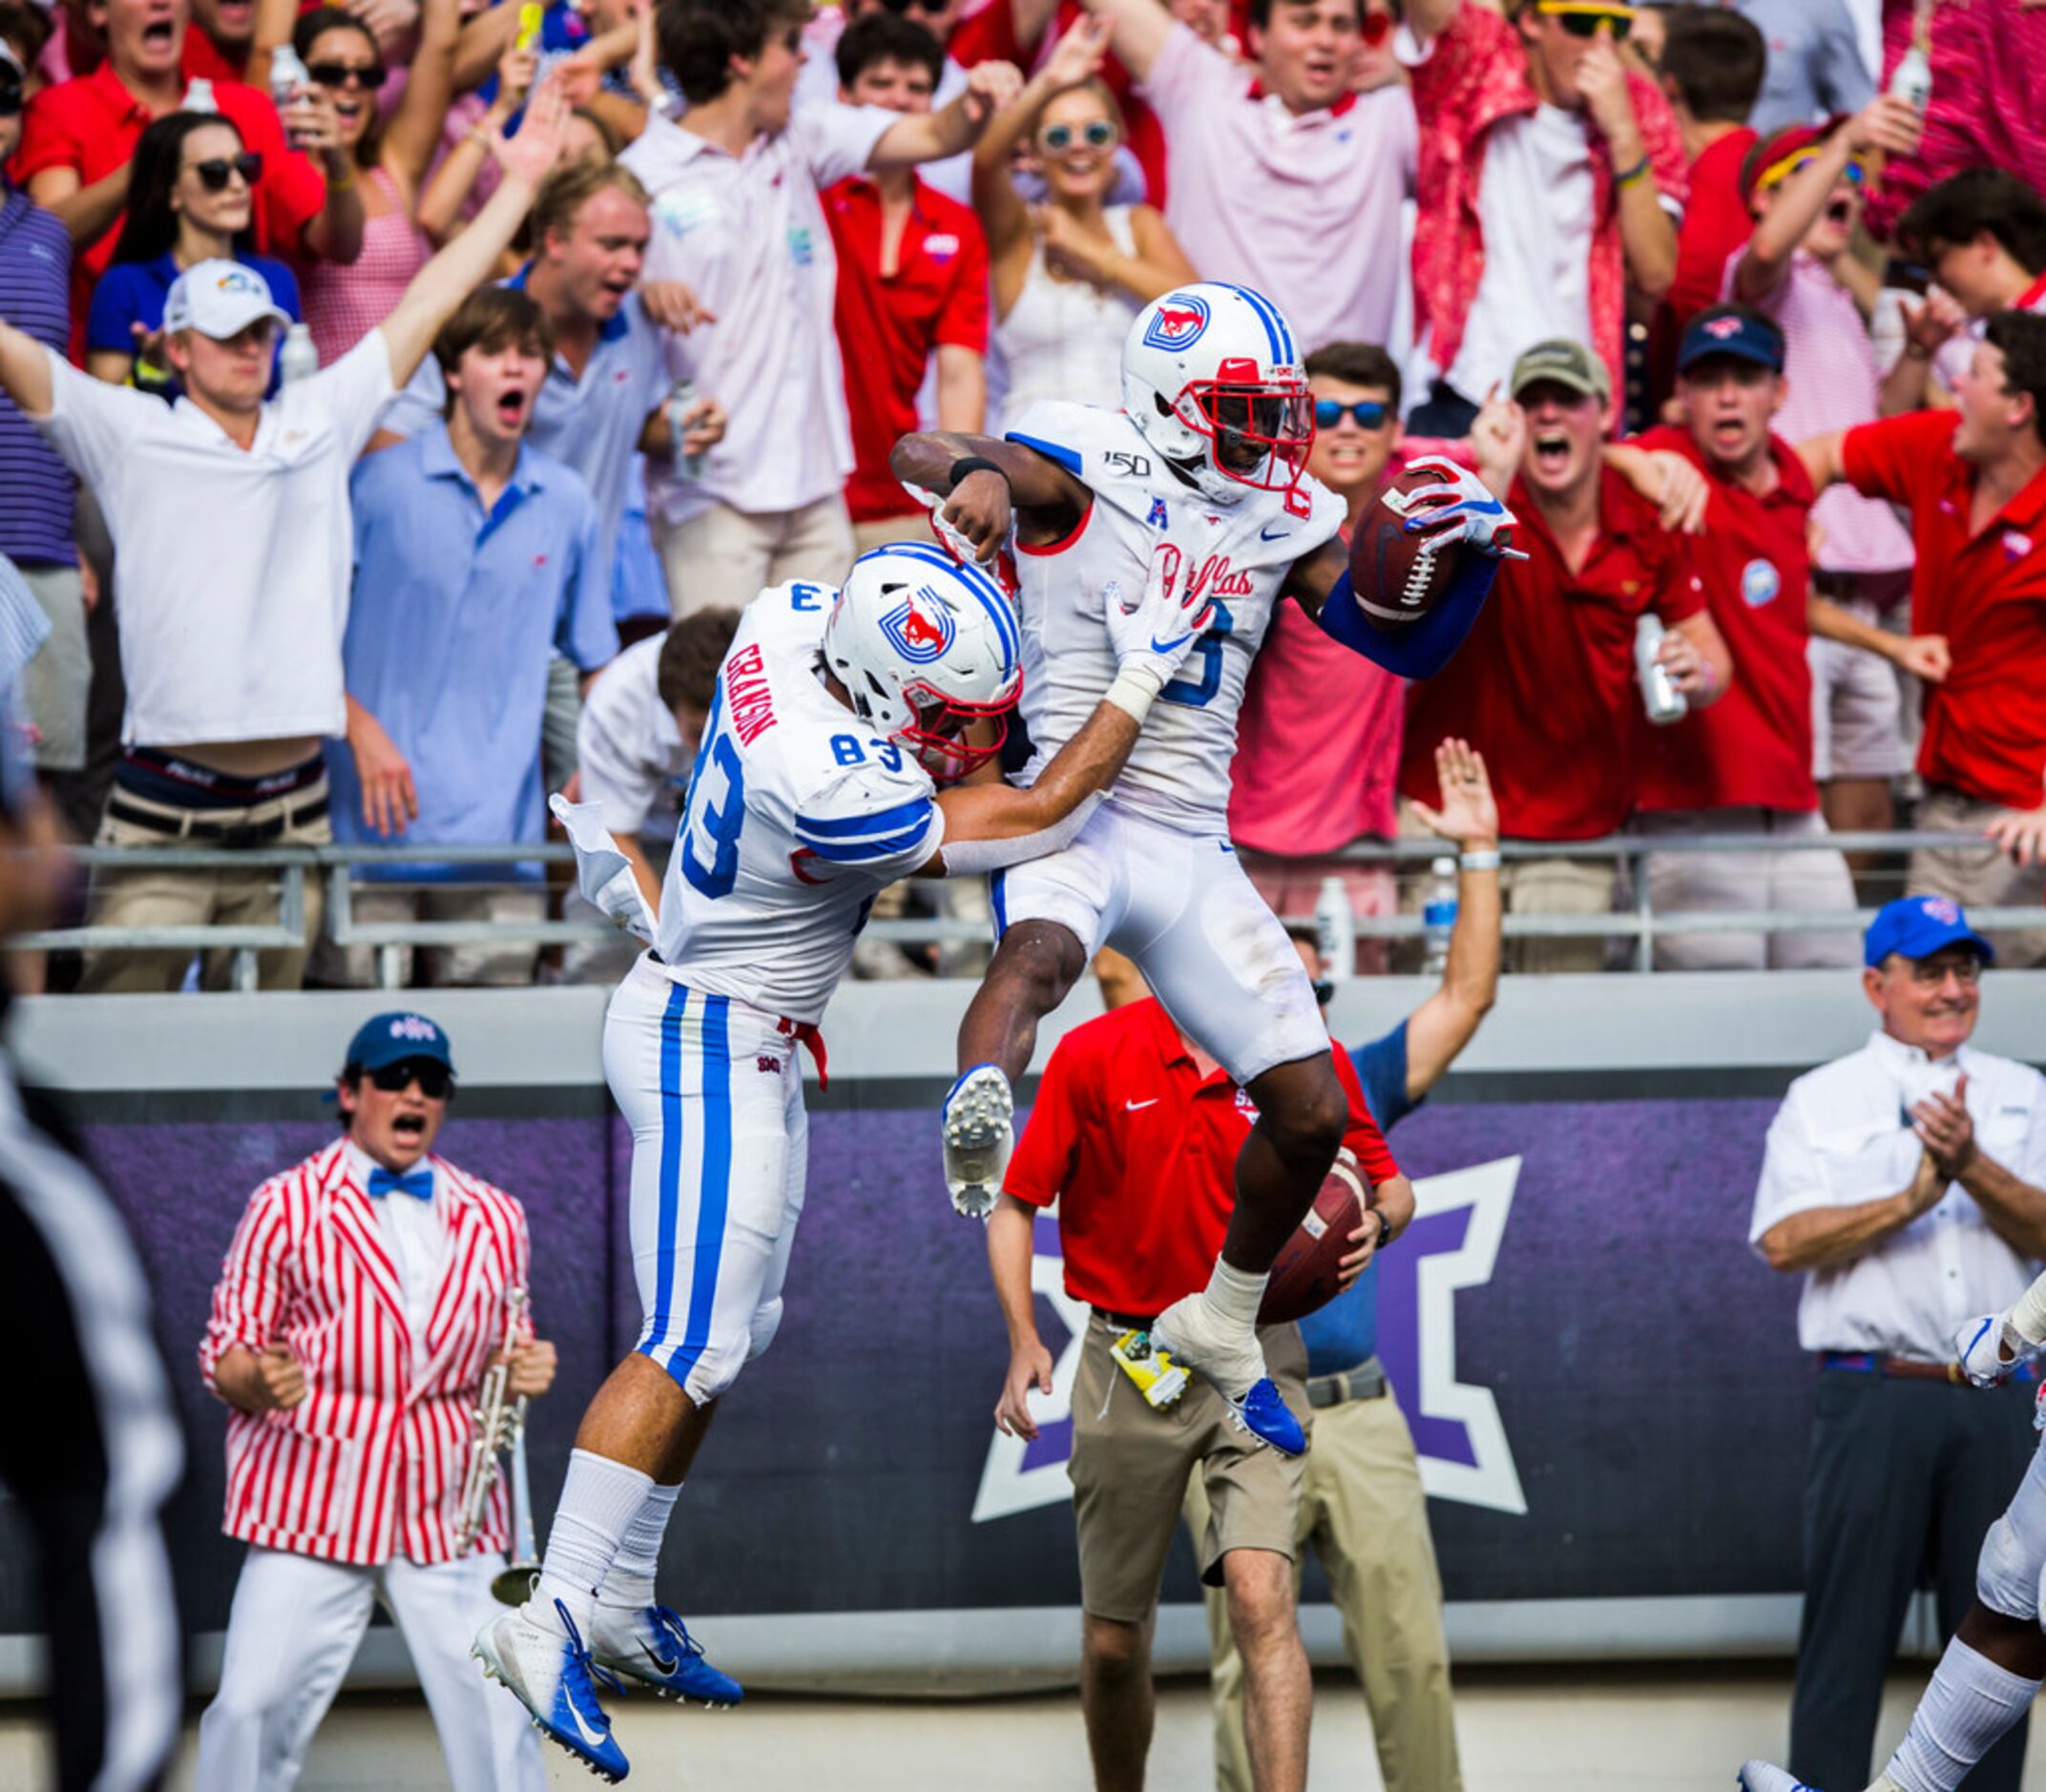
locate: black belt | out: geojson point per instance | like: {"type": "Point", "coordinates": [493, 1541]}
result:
{"type": "Point", "coordinates": [228, 834]}
{"type": "Point", "coordinates": [1126, 1321]}
{"type": "Point", "coordinates": [1366, 1381]}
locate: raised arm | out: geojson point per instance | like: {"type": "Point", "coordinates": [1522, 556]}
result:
{"type": "Point", "coordinates": [470, 260]}
{"type": "Point", "coordinates": [414, 134]}
{"type": "Point", "coordinates": [1075, 57]}
{"type": "Point", "coordinates": [951, 130]}
{"type": "Point", "coordinates": [1647, 233]}
{"type": "Point", "coordinates": [87, 212]}
{"type": "Point", "coordinates": [1017, 484]}
{"type": "Point", "coordinates": [1137, 30]}
{"type": "Point", "coordinates": [1887, 124]}
{"type": "Point", "coordinates": [1444, 1024]}
{"type": "Point", "coordinates": [25, 371]}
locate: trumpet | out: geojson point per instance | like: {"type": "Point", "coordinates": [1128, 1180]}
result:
{"type": "Point", "coordinates": [501, 1427]}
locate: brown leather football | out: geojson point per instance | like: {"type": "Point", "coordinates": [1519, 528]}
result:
{"type": "Point", "coordinates": [1399, 574]}
{"type": "Point", "coordinates": [1304, 1276]}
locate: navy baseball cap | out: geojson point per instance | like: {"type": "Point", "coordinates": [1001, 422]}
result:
{"type": "Point", "coordinates": [393, 1039]}
{"type": "Point", "coordinates": [1733, 330]}
{"type": "Point", "coordinates": [1917, 926]}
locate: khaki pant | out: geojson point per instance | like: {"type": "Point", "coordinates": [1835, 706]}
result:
{"type": "Point", "coordinates": [913, 526]}
{"type": "Point", "coordinates": [726, 556]}
{"type": "Point", "coordinates": [1810, 882]}
{"type": "Point", "coordinates": [508, 965]}
{"type": "Point", "coordinates": [55, 683]}
{"type": "Point", "coordinates": [1527, 887]}
{"type": "Point", "coordinates": [150, 898]}
{"type": "Point", "coordinates": [1131, 1464]}
{"type": "Point", "coordinates": [1363, 1510]}
{"type": "Point", "coordinates": [1982, 876]}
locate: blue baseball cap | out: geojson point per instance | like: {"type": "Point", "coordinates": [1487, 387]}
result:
{"type": "Point", "coordinates": [1917, 926]}
{"type": "Point", "coordinates": [393, 1039]}
{"type": "Point", "coordinates": [1735, 330]}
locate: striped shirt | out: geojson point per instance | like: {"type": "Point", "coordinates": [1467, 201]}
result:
{"type": "Point", "coordinates": [37, 491]}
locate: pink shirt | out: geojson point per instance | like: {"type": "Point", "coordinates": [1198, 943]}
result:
{"type": "Point", "coordinates": [1305, 209]}
{"type": "Point", "coordinates": [1833, 385]}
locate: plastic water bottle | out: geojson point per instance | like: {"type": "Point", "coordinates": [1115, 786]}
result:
{"type": "Point", "coordinates": [1335, 930]}
{"type": "Point", "coordinates": [1438, 915]}
{"type": "Point", "coordinates": [1660, 694]}
{"type": "Point", "coordinates": [198, 96]}
{"type": "Point", "coordinates": [680, 401]}
{"type": "Point", "coordinates": [287, 76]}
{"type": "Point", "coordinates": [1913, 79]}
{"type": "Point", "coordinates": [300, 359]}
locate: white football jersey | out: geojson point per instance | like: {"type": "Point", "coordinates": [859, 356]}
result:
{"type": "Point", "coordinates": [798, 815]}
{"type": "Point", "coordinates": [1179, 771]}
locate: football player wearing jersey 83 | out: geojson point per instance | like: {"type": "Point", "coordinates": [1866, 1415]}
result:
{"type": "Point", "coordinates": [1210, 449]}
{"type": "Point", "coordinates": [834, 718]}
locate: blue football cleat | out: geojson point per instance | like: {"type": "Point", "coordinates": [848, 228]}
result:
{"type": "Point", "coordinates": [1759, 1775]}
{"type": "Point", "coordinates": [549, 1674]}
{"type": "Point", "coordinates": [653, 1647]}
{"type": "Point", "coordinates": [1267, 1418]}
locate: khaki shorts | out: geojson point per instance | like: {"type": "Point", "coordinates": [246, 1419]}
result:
{"type": "Point", "coordinates": [879, 533]}
{"type": "Point", "coordinates": [727, 556]}
{"type": "Point", "coordinates": [1808, 882]}
{"type": "Point", "coordinates": [1856, 726]}
{"type": "Point", "coordinates": [1130, 1467]}
{"type": "Point", "coordinates": [1977, 877]}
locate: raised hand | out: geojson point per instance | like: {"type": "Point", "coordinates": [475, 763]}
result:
{"type": "Point", "coordinates": [1467, 513]}
{"type": "Point", "coordinates": [1077, 55]}
{"type": "Point", "coordinates": [1469, 812]}
{"type": "Point", "coordinates": [989, 86]}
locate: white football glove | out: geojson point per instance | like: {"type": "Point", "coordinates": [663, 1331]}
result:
{"type": "Point", "coordinates": [602, 871]}
{"type": "Point", "coordinates": [1469, 513]}
{"type": "Point", "coordinates": [952, 541]}
{"type": "Point", "coordinates": [1989, 1349]}
{"type": "Point", "coordinates": [1152, 635]}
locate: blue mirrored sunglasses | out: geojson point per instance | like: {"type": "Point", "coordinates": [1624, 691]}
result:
{"type": "Point", "coordinates": [1370, 413]}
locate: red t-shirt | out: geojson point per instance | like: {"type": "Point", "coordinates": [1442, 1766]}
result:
{"type": "Point", "coordinates": [1138, 1149]}
{"type": "Point", "coordinates": [1985, 727]}
{"type": "Point", "coordinates": [1716, 222]}
{"type": "Point", "coordinates": [92, 124]}
{"type": "Point", "coordinates": [889, 324]}
{"type": "Point", "coordinates": [1753, 745]}
{"type": "Point", "coordinates": [1544, 685]}
{"type": "Point", "coordinates": [202, 59]}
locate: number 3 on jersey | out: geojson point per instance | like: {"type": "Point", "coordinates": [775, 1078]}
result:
{"type": "Point", "coordinates": [714, 824]}
{"type": "Point", "coordinates": [1196, 690]}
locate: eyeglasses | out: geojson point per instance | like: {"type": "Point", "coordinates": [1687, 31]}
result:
{"type": "Point", "coordinates": [215, 171]}
{"type": "Point", "coordinates": [434, 1079]}
{"type": "Point", "coordinates": [1585, 22]}
{"type": "Point", "coordinates": [1370, 413]}
{"type": "Point", "coordinates": [1933, 971]}
{"type": "Point", "coordinates": [367, 76]}
{"type": "Point", "coordinates": [1095, 133]}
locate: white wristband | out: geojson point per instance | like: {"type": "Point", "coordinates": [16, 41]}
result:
{"type": "Point", "coordinates": [1132, 692]}
{"type": "Point", "coordinates": [2028, 1318]}
{"type": "Point", "coordinates": [1486, 860]}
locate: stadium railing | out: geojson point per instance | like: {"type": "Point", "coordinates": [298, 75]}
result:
{"type": "Point", "coordinates": [336, 867]}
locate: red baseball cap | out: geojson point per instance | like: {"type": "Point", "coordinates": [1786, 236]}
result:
{"type": "Point", "coordinates": [1784, 146]}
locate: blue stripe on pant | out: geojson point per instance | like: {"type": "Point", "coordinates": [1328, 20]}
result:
{"type": "Point", "coordinates": [717, 1186]}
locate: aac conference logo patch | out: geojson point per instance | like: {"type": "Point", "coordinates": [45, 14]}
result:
{"type": "Point", "coordinates": [1453, 1243]}
{"type": "Point", "coordinates": [1181, 318]}
{"type": "Point", "coordinates": [920, 632]}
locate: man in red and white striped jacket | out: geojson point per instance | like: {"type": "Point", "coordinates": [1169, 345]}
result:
{"type": "Point", "coordinates": [363, 1297]}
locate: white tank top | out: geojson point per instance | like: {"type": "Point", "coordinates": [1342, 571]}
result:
{"type": "Point", "coordinates": [1063, 339]}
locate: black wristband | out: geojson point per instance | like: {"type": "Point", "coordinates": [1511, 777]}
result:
{"type": "Point", "coordinates": [1384, 1230]}
{"type": "Point", "coordinates": [975, 463]}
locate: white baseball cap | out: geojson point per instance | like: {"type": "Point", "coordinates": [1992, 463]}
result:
{"type": "Point", "coordinates": [219, 299]}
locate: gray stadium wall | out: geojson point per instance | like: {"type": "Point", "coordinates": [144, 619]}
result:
{"type": "Point", "coordinates": [1603, 1380]}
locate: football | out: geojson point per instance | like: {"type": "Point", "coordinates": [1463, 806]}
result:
{"type": "Point", "coordinates": [1400, 576]}
{"type": "Point", "coordinates": [1303, 1278]}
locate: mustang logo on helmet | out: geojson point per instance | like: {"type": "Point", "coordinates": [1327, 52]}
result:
{"type": "Point", "coordinates": [920, 632]}
{"type": "Point", "coordinates": [1179, 323]}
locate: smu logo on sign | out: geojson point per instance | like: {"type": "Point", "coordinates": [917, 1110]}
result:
{"type": "Point", "coordinates": [1452, 1243]}
{"type": "Point", "coordinates": [920, 632]}
{"type": "Point", "coordinates": [1181, 318]}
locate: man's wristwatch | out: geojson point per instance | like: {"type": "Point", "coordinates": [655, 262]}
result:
{"type": "Point", "coordinates": [1384, 1230]}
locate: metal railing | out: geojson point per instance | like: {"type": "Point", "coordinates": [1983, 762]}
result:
{"type": "Point", "coordinates": [336, 864]}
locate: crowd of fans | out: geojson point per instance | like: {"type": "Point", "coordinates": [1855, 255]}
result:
{"type": "Point", "coordinates": [1734, 304]}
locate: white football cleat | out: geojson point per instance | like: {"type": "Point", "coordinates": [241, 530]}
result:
{"type": "Point", "coordinates": [548, 1672]}
{"type": "Point", "coordinates": [979, 1135]}
{"type": "Point", "coordinates": [1759, 1775]}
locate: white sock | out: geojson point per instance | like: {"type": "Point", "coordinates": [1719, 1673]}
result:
{"type": "Point", "coordinates": [1965, 1712]}
{"type": "Point", "coordinates": [630, 1584]}
{"type": "Point", "coordinates": [598, 1501]}
{"type": "Point", "coordinates": [1236, 1294]}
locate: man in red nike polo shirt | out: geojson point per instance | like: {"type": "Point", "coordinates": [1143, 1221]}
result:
{"type": "Point", "coordinates": [1135, 1134]}
{"type": "Point", "coordinates": [1974, 479]}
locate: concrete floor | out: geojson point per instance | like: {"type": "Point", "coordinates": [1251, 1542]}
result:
{"type": "Point", "coordinates": [1670, 1730]}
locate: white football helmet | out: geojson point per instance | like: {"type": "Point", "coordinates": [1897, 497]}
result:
{"type": "Point", "coordinates": [925, 647]}
{"type": "Point", "coordinates": [1210, 376]}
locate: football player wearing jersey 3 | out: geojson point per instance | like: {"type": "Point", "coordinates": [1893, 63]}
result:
{"type": "Point", "coordinates": [1208, 452]}
{"type": "Point", "coordinates": [835, 716]}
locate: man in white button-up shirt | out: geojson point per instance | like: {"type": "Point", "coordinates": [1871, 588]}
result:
{"type": "Point", "coordinates": [1905, 1180]}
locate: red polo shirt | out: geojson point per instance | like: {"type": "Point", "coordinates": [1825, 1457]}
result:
{"type": "Point", "coordinates": [1753, 745]}
{"type": "Point", "coordinates": [202, 59]}
{"type": "Point", "coordinates": [889, 324]}
{"type": "Point", "coordinates": [1716, 222]}
{"type": "Point", "coordinates": [1544, 685]}
{"type": "Point", "coordinates": [1985, 591]}
{"type": "Point", "coordinates": [92, 124]}
{"type": "Point", "coordinates": [1138, 1149]}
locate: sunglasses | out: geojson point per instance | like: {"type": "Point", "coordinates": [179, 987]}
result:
{"type": "Point", "coordinates": [215, 171]}
{"type": "Point", "coordinates": [1587, 24]}
{"type": "Point", "coordinates": [367, 76]}
{"type": "Point", "coordinates": [1796, 164]}
{"type": "Point", "coordinates": [1370, 413]}
{"type": "Point", "coordinates": [12, 92]}
{"type": "Point", "coordinates": [434, 1080]}
{"type": "Point", "coordinates": [1095, 133]}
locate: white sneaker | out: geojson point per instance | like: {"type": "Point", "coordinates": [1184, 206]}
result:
{"type": "Point", "coordinates": [1759, 1776]}
{"type": "Point", "coordinates": [979, 1135]}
